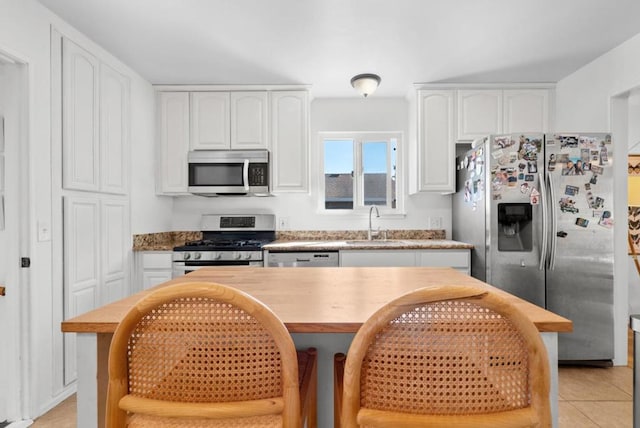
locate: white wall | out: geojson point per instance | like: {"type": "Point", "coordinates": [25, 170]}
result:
{"type": "Point", "coordinates": [25, 34]}
{"type": "Point", "coordinates": [328, 114]}
{"type": "Point", "coordinates": [596, 98]}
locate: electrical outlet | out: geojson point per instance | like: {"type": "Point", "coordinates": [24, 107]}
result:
{"type": "Point", "coordinates": [435, 222]}
{"type": "Point", "coordinates": [283, 223]}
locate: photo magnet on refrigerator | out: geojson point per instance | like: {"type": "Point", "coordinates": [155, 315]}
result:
{"type": "Point", "coordinates": [582, 222]}
{"type": "Point", "coordinates": [534, 197]}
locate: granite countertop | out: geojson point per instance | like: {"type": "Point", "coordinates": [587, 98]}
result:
{"type": "Point", "coordinates": [315, 240]}
{"type": "Point", "coordinates": [392, 244]}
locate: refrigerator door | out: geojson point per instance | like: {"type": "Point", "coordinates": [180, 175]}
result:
{"type": "Point", "coordinates": [579, 277]}
{"type": "Point", "coordinates": [469, 206]}
{"type": "Point", "coordinates": [514, 213]}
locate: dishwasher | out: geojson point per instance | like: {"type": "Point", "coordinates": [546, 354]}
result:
{"type": "Point", "coordinates": [303, 259]}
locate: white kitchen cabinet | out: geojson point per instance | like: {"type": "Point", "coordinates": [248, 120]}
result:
{"type": "Point", "coordinates": [457, 259]}
{"type": "Point", "coordinates": [210, 121]}
{"type": "Point", "coordinates": [289, 141]}
{"type": "Point", "coordinates": [249, 120]}
{"type": "Point", "coordinates": [502, 111]}
{"type": "Point", "coordinates": [372, 258]}
{"type": "Point", "coordinates": [526, 110]}
{"type": "Point", "coordinates": [436, 140]}
{"type": "Point", "coordinates": [96, 248]}
{"type": "Point", "coordinates": [156, 268]}
{"type": "Point", "coordinates": [479, 113]}
{"type": "Point", "coordinates": [80, 129]}
{"type": "Point", "coordinates": [173, 133]}
{"type": "Point", "coordinates": [95, 131]}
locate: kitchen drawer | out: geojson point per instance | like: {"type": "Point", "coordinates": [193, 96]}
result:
{"type": "Point", "coordinates": [444, 258]}
{"type": "Point", "coordinates": [156, 260]}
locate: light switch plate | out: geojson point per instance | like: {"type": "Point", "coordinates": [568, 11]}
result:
{"type": "Point", "coordinates": [283, 223]}
{"type": "Point", "coordinates": [44, 231]}
{"type": "Point", "coordinates": [435, 222]}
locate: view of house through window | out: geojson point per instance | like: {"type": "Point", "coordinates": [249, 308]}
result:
{"type": "Point", "coordinates": [360, 170]}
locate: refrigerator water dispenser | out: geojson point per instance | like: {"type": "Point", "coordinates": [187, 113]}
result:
{"type": "Point", "coordinates": [515, 228]}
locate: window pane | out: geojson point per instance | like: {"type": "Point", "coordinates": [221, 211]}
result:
{"type": "Point", "coordinates": [394, 151]}
{"type": "Point", "coordinates": [375, 174]}
{"type": "Point", "coordinates": [338, 174]}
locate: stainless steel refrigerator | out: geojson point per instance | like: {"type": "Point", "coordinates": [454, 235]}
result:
{"type": "Point", "coordinates": [539, 211]}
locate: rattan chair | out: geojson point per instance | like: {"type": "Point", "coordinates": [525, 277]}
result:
{"type": "Point", "coordinates": [207, 355]}
{"type": "Point", "coordinates": [445, 357]}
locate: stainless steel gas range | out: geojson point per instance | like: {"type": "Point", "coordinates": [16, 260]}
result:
{"type": "Point", "coordinates": [227, 240]}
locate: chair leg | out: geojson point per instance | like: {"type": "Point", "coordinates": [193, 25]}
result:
{"type": "Point", "coordinates": [338, 376]}
{"type": "Point", "coordinates": [308, 379]}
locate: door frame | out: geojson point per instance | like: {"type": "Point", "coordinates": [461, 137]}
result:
{"type": "Point", "coordinates": [19, 402]}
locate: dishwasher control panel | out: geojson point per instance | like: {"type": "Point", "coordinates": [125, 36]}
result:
{"type": "Point", "coordinates": [304, 259]}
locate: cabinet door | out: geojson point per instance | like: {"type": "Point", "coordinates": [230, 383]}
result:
{"type": "Point", "coordinates": [290, 141]}
{"type": "Point", "coordinates": [436, 140]}
{"type": "Point", "coordinates": [81, 267]}
{"type": "Point", "coordinates": [80, 132]}
{"type": "Point", "coordinates": [151, 278]}
{"type": "Point", "coordinates": [173, 132]}
{"type": "Point", "coordinates": [457, 259]}
{"type": "Point", "coordinates": [249, 120]}
{"type": "Point", "coordinates": [373, 258]}
{"type": "Point", "coordinates": [526, 110]}
{"type": "Point", "coordinates": [115, 248]}
{"type": "Point", "coordinates": [114, 131]}
{"type": "Point", "coordinates": [479, 113]}
{"type": "Point", "coordinates": [210, 121]}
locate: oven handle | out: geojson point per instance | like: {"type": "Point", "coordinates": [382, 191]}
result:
{"type": "Point", "coordinates": [245, 175]}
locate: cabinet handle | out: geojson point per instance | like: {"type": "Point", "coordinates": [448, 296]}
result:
{"type": "Point", "coordinates": [2, 288]}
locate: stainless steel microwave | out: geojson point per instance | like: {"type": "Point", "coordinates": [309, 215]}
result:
{"type": "Point", "coordinates": [229, 172]}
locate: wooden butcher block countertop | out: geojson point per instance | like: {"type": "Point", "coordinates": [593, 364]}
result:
{"type": "Point", "coordinates": [318, 299]}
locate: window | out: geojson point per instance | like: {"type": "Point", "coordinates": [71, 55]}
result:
{"type": "Point", "coordinates": [360, 170]}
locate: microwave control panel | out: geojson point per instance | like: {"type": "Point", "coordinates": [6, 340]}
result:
{"type": "Point", "coordinates": [258, 174]}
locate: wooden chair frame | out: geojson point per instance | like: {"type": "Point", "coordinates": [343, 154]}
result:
{"type": "Point", "coordinates": [538, 414]}
{"type": "Point", "coordinates": [119, 401]}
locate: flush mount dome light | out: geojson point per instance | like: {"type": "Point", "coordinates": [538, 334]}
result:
{"type": "Point", "coordinates": [365, 84]}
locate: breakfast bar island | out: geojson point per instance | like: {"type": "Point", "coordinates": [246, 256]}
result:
{"type": "Point", "coordinates": [321, 307]}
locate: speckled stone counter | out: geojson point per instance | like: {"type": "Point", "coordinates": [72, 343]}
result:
{"type": "Point", "coordinates": [163, 241]}
{"type": "Point", "coordinates": [332, 240]}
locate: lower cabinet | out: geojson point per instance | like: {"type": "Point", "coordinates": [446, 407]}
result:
{"type": "Point", "coordinates": [458, 259]}
{"type": "Point", "coordinates": [154, 267]}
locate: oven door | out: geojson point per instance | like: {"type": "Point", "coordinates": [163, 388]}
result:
{"type": "Point", "coordinates": [182, 268]}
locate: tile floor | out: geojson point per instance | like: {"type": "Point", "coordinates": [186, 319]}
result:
{"type": "Point", "coordinates": [588, 398]}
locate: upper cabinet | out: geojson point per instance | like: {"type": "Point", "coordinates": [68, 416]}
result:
{"type": "Point", "coordinates": [495, 111]}
{"type": "Point", "coordinates": [289, 141]}
{"type": "Point", "coordinates": [229, 120]}
{"type": "Point", "coordinates": [173, 135]}
{"type": "Point", "coordinates": [95, 132]}
{"type": "Point", "coordinates": [210, 120]}
{"type": "Point", "coordinates": [276, 120]}
{"type": "Point", "coordinates": [443, 115]}
{"type": "Point", "coordinates": [249, 120]}
{"type": "Point", "coordinates": [436, 140]}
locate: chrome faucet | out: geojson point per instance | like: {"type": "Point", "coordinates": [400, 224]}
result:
{"type": "Point", "coordinates": [372, 234]}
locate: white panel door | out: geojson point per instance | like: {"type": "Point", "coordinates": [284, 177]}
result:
{"type": "Point", "coordinates": [210, 121]}
{"type": "Point", "coordinates": [436, 140]}
{"type": "Point", "coordinates": [526, 110]}
{"type": "Point", "coordinates": [80, 137]}
{"type": "Point", "coordinates": [114, 131]}
{"type": "Point", "coordinates": [173, 123]}
{"type": "Point", "coordinates": [290, 141]}
{"type": "Point", "coordinates": [249, 120]}
{"type": "Point", "coordinates": [479, 113]}
{"type": "Point", "coordinates": [81, 266]}
{"type": "Point", "coordinates": [115, 249]}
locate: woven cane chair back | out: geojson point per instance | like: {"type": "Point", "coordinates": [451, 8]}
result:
{"type": "Point", "coordinates": [447, 356]}
{"type": "Point", "coordinates": [202, 355]}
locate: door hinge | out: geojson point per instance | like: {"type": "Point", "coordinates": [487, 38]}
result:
{"type": "Point", "coordinates": [25, 262]}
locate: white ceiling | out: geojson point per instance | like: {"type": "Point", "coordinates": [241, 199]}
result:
{"type": "Point", "coordinates": [325, 42]}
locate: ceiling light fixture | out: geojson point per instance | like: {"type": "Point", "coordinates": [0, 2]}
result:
{"type": "Point", "coordinates": [366, 83]}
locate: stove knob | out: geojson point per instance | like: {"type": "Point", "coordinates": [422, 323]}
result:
{"type": "Point", "coordinates": [237, 256]}
{"type": "Point", "coordinates": [197, 256]}
{"type": "Point", "coordinates": [217, 256]}
{"type": "Point", "coordinates": [187, 256]}
{"type": "Point", "coordinates": [247, 256]}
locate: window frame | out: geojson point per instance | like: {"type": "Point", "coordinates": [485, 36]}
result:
{"type": "Point", "coordinates": [358, 139]}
